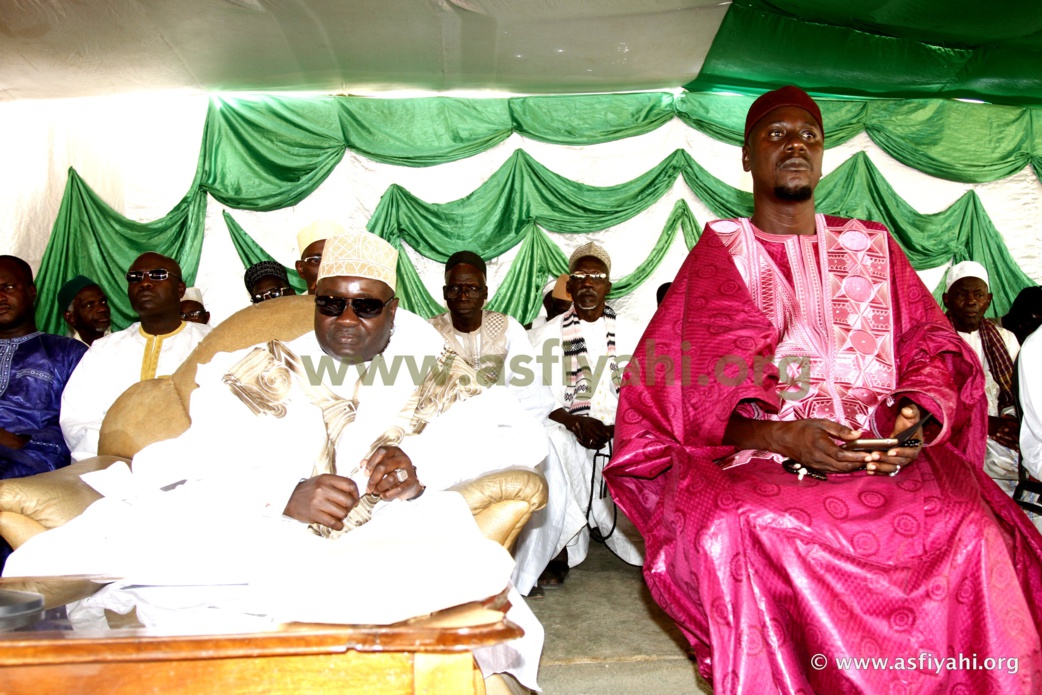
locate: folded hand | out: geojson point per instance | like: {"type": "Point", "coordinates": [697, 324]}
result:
{"type": "Point", "coordinates": [325, 499]}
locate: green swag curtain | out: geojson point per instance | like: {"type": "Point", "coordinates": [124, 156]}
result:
{"type": "Point", "coordinates": [250, 253]}
{"type": "Point", "coordinates": [490, 220]}
{"type": "Point", "coordinates": [267, 153]}
{"type": "Point", "coordinates": [92, 239]}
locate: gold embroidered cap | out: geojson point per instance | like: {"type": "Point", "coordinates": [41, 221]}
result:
{"type": "Point", "coordinates": [317, 231]}
{"type": "Point", "coordinates": [360, 255]}
{"type": "Point", "coordinates": [590, 249]}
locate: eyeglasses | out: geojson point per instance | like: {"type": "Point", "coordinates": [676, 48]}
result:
{"type": "Point", "coordinates": [312, 260]}
{"type": "Point", "coordinates": [455, 291]}
{"type": "Point", "coordinates": [273, 293]}
{"type": "Point", "coordinates": [156, 275]}
{"type": "Point", "coordinates": [197, 314]}
{"type": "Point", "coordinates": [364, 307]}
{"type": "Point", "coordinates": [596, 277]}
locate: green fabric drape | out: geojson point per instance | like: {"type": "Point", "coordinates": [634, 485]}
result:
{"type": "Point", "coordinates": [722, 116]}
{"type": "Point", "coordinates": [250, 253]}
{"type": "Point", "coordinates": [894, 49]}
{"type": "Point", "coordinates": [680, 218]}
{"type": "Point", "coordinates": [92, 239]}
{"type": "Point", "coordinates": [957, 141]}
{"type": "Point", "coordinates": [268, 153]}
{"type": "Point", "coordinates": [503, 211]}
{"type": "Point", "coordinates": [493, 217]}
{"type": "Point", "coordinates": [265, 153]}
{"type": "Point", "coordinates": [539, 258]}
{"type": "Point", "coordinates": [590, 119]}
{"type": "Point", "coordinates": [422, 132]}
{"type": "Point", "coordinates": [411, 292]}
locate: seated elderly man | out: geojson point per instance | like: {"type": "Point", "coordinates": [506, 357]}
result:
{"type": "Point", "coordinates": [780, 537]}
{"type": "Point", "coordinates": [497, 347]}
{"type": "Point", "coordinates": [323, 458]}
{"type": "Point", "coordinates": [583, 352]}
{"type": "Point", "coordinates": [311, 240]}
{"type": "Point", "coordinates": [85, 309]}
{"type": "Point", "coordinates": [967, 297]}
{"type": "Point", "coordinates": [36, 368]}
{"type": "Point", "coordinates": [491, 342]}
{"type": "Point", "coordinates": [153, 347]}
{"type": "Point", "coordinates": [267, 280]}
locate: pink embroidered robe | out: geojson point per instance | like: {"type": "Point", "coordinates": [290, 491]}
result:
{"type": "Point", "coordinates": [763, 571]}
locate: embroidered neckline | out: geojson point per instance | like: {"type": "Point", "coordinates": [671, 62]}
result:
{"type": "Point", "coordinates": [145, 334]}
{"type": "Point", "coordinates": [20, 339]}
{"type": "Point", "coordinates": [8, 348]}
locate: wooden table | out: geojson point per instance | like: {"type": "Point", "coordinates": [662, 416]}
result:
{"type": "Point", "coordinates": [424, 655]}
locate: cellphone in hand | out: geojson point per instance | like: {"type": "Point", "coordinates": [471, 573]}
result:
{"type": "Point", "coordinates": [872, 444]}
{"type": "Point", "coordinates": [903, 438]}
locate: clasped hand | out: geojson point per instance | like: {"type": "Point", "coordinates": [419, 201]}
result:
{"type": "Point", "coordinates": [327, 499]}
{"type": "Point", "coordinates": [591, 432]}
{"type": "Point", "coordinates": [812, 444]}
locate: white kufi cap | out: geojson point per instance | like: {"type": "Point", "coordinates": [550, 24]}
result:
{"type": "Point", "coordinates": [360, 255]}
{"type": "Point", "coordinates": [966, 269]}
{"type": "Point", "coordinates": [317, 231]}
{"type": "Point", "coordinates": [193, 294]}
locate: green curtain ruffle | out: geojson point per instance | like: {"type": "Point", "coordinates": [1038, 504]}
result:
{"type": "Point", "coordinates": [268, 153]}
{"type": "Point", "coordinates": [92, 239]}
{"type": "Point", "coordinates": [264, 153]}
{"type": "Point", "coordinates": [251, 253]}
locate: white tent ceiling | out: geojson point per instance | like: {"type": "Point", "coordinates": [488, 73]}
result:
{"type": "Point", "coordinates": [61, 48]}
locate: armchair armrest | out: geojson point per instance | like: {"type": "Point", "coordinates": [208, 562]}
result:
{"type": "Point", "coordinates": [34, 504]}
{"type": "Point", "coordinates": [502, 502]}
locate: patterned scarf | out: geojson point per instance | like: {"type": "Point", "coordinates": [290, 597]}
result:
{"type": "Point", "coordinates": [579, 388]}
{"type": "Point", "coordinates": [999, 363]}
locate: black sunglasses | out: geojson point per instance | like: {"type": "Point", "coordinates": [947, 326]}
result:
{"type": "Point", "coordinates": [455, 291]}
{"type": "Point", "coordinates": [273, 293]}
{"type": "Point", "coordinates": [364, 307]}
{"type": "Point", "coordinates": [156, 275]}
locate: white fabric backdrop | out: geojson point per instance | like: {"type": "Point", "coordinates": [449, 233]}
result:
{"type": "Point", "coordinates": [139, 153]}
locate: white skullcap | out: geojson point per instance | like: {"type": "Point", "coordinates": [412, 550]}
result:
{"type": "Point", "coordinates": [966, 269]}
{"type": "Point", "coordinates": [360, 255]}
{"type": "Point", "coordinates": [317, 231]}
{"type": "Point", "coordinates": [193, 294]}
{"type": "Point", "coordinates": [590, 249]}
